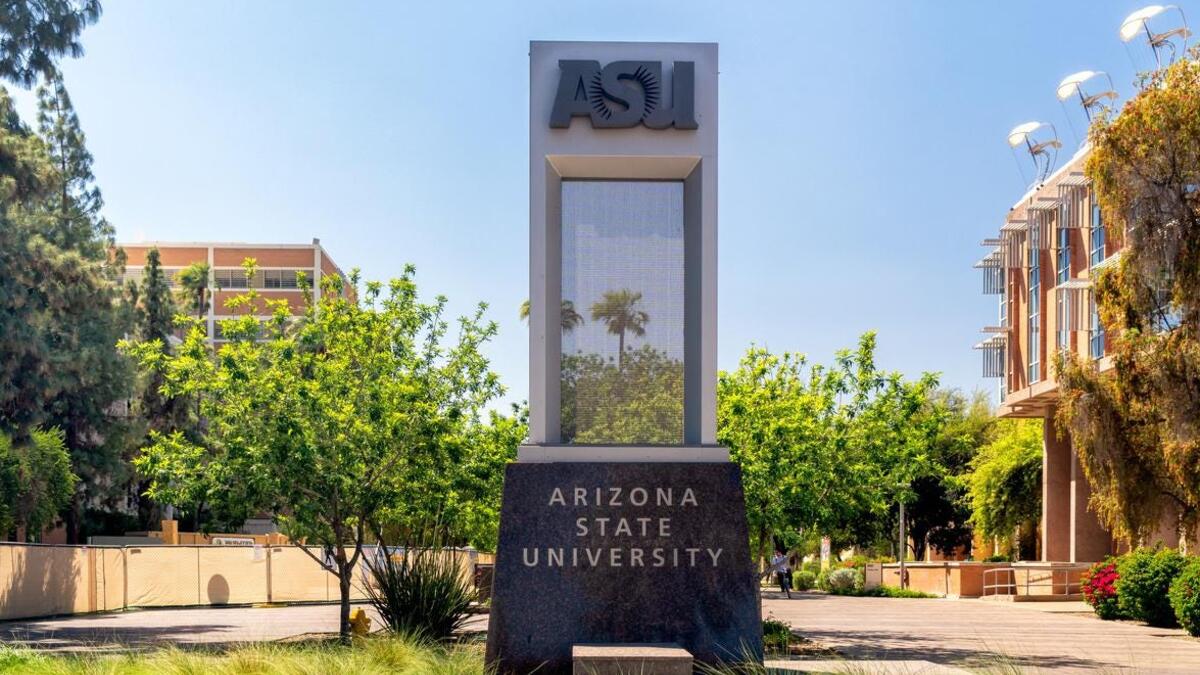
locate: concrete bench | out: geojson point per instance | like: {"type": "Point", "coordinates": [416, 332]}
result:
{"type": "Point", "coordinates": [631, 659]}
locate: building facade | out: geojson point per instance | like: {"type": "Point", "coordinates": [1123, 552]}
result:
{"type": "Point", "coordinates": [1040, 266]}
{"type": "Point", "coordinates": [277, 276]}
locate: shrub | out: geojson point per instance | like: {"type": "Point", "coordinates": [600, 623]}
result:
{"type": "Point", "coordinates": [421, 593]}
{"type": "Point", "coordinates": [1099, 584]}
{"type": "Point", "coordinates": [998, 558]}
{"type": "Point", "coordinates": [804, 580]}
{"type": "Point", "coordinates": [1185, 597]}
{"type": "Point", "coordinates": [896, 592]}
{"type": "Point", "coordinates": [777, 635]}
{"type": "Point", "coordinates": [845, 581]}
{"type": "Point", "coordinates": [1143, 582]}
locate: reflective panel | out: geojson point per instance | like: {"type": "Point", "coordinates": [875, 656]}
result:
{"type": "Point", "coordinates": [622, 312]}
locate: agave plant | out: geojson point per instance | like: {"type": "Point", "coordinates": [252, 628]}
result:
{"type": "Point", "coordinates": [420, 590]}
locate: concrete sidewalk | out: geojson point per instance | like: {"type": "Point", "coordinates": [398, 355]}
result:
{"type": "Point", "coordinates": [871, 634]}
{"type": "Point", "coordinates": [139, 629]}
{"type": "Point", "coordinates": [979, 635]}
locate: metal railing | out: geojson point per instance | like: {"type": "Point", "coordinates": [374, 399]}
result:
{"type": "Point", "coordinates": [1036, 578]}
{"type": "Point", "coordinates": [1010, 587]}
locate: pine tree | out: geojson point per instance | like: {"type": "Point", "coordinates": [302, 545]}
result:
{"type": "Point", "coordinates": [25, 372]}
{"type": "Point", "coordinates": [74, 220]}
{"type": "Point", "coordinates": [35, 33]}
{"type": "Point", "coordinates": [93, 377]}
{"type": "Point", "coordinates": [155, 410]}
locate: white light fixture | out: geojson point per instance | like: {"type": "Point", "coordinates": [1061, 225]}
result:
{"type": "Point", "coordinates": [1073, 86]}
{"type": "Point", "coordinates": [1139, 22]}
{"type": "Point", "coordinates": [1041, 143]}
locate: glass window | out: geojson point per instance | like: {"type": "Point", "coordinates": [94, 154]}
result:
{"type": "Point", "coordinates": [1096, 339]}
{"type": "Point", "coordinates": [1062, 320]}
{"type": "Point", "coordinates": [1063, 255]}
{"type": "Point", "coordinates": [1097, 243]}
{"type": "Point", "coordinates": [231, 278]}
{"type": "Point", "coordinates": [283, 278]}
{"type": "Point", "coordinates": [1035, 306]}
{"type": "Point", "coordinates": [622, 312]}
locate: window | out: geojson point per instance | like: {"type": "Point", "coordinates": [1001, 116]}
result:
{"type": "Point", "coordinates": [1096, 334]}
{"type": "Point", "coordinates": [1035, 305]}
{"type": "Point", "coordinates": [1062, 320]}
{"type": "Point", "coordinates": [1097, 253]}
{"type": "Point", "coordinates": [1063, 254]}
{"type": "Point", "coordinates": [622, 312]}
{"type": "Point", "coordinates": [284, 278]}
{"type": "Point", "coordinates": [231, 278]}
{"type": "Point", "coordinates": [1004, 307]}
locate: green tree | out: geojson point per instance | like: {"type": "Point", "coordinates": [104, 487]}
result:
{"type": "Point", "coordinates": [642, 400]}
{"type": "Point", "coordinates": [59, 322]}
{"type": "Point", "coordinates": [569, 319]}
{"type": "Point", "coordinates": [35, 482]}
{"type": "Point", "coordinates": [939, 512]}
{"type": "Point", "coordinates": [1137, 427]}
{"type": "Point", "coordinates": [34, 34]}
{"type": "Point", "coordinates": [94, 376]}
{"type": "Point", "coordinates": [26, 373]}
{"type": "Point", "coordinates": [155, 411]}
{"type": "Point", "coordinates": [194, 289]}
{"type": "Point", "coordinates": [823, 449]}
{"type": "Point", "coordinates": [1004, 484]}
{"type": "Point", "coordinates": [352, 422]}
{"type": "Point", "coordinates": [619, 312]}
{"type": "Point", "coordinates": [74, 221]}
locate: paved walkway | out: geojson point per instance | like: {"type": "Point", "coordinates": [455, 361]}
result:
{"type": "Point", "coordinates": [938, 636]}
{"type": "Point", "coordinates": [185, 627]}
{"type": "Point", "coordinates": [871, 634]}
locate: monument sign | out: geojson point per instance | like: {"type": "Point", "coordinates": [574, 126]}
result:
{"type": "Point", "coordinates": [622, 521]}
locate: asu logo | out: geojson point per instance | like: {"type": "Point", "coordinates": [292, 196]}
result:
{"type": "Point", "coordinates": [624, 94]}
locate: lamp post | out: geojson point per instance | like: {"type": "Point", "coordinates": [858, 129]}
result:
{"type": "Point", "coordinates": [903, 547]}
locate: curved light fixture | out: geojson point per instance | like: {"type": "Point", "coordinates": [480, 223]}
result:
{"type": "Point", "coordinates": [1139, 22]}
{"type": "Point", "coordinates": [1022, 133]}
{"type": "Point", "coordinates": [1136, 22]}
{"type": "Point", "coordinates": [1073, 86]}
{"type": "Point", "coordinates": [1042, 152]}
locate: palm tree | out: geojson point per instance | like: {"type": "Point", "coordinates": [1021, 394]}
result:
{"type": "Point", "coordinates": [618, 310]}
{"type": "Point", "coordinates": [569, 319]}
{"type": "Point", "coordinates": [193, 282]}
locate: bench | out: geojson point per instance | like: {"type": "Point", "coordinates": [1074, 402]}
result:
{"type": "Point", "coordinates": [631, 659]}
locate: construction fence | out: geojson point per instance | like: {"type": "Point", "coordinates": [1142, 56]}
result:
{"type": "Point", "coordinates": [37, 580]}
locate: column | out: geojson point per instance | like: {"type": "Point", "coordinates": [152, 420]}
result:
{"type": "Point", "coordinates": [1089, 541]}
{"type": "Point", "coordinates": [1056, 494]}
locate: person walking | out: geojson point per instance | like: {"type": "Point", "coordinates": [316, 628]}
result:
{"type": "Point", "coordinates": [779, 565]}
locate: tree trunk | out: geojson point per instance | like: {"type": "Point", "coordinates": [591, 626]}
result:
{"type": "Point", "coordinates": [1182, 531]}
{"type": "Point", "coordinates": [71, 518]}
{"type": "Point", "coordinates": [621, 350]}
{"type": "Point", "coordinates": [345, 573]}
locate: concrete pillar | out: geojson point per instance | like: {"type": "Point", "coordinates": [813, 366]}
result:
{"type": "Point", "coordinates": [1056, 495]}
{"type": "Point", "coordinates": [170, 532]}
{"type": "Point", "coordinates": [1089, 541]}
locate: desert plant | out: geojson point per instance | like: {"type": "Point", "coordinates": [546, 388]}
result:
{"type": "Point", "coordinates": [777, 635]}
{"type": "Point", "coordinates": [1185, 597]}
{"type": "Point", "coordinates": [895, 592]}
{"type": "Point", "coordinates": [420, 592]}
{"type": "Point", "coordinates": [1143, 582]}
{"type": "Point", "coordinates": [1099, 584]}
{"type": "Point", "coordinates": [804, 580]}
{"type": "Point", "coordinates": [845, 581]}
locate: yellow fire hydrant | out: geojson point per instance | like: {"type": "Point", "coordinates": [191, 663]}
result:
{"type": "Point", "coordinates": [360, 623]}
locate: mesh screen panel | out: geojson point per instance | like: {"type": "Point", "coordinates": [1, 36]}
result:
{"type": "Point", "coordinates": [622, 312]}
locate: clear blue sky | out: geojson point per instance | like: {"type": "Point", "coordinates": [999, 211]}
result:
{"type": "Point", "coordinates": [862, 152]}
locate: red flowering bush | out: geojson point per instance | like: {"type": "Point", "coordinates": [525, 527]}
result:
{"type": "Point", "coordinates": [1099, 585]}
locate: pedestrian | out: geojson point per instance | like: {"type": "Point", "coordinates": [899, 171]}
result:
{"type": "Point", "coordinates": [779, 565]}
